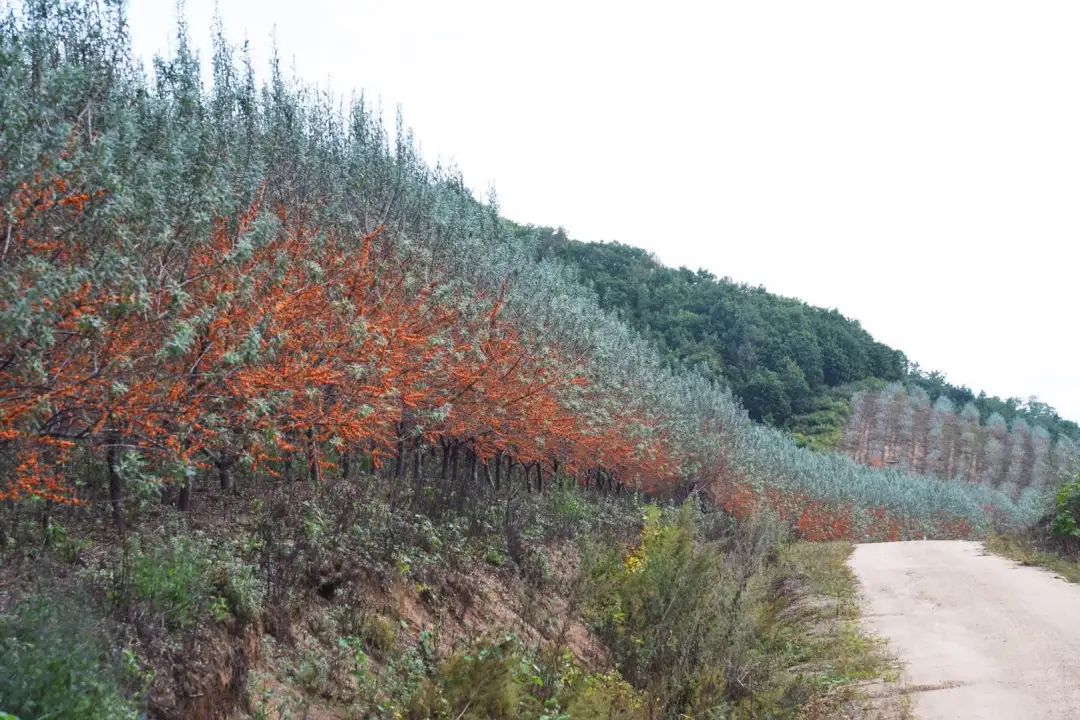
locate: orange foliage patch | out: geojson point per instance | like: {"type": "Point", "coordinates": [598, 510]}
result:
{"type": "Point", "coordinates": [286, 345]}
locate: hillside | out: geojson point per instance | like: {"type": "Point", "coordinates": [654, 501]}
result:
{"type": "Point", "coordinates": [779, 356]}
{"type": "Point", "coordinates": [791, 365]}
{"type": "Point", "coordinates": [167, 258]}
{"type": "Point", "coordinates": [293, 425]}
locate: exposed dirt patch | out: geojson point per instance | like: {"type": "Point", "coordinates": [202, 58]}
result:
{"type": "Point", "coordinates": [455, 610]}
{"type": "Point", "coordinates": [208, 676]}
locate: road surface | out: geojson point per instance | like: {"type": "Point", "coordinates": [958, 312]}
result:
{"type": "Point", "coordinates": [979, 636]}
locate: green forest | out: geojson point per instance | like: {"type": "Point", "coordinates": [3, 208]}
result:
{"type": "Point", "coordinates": [791, 365]}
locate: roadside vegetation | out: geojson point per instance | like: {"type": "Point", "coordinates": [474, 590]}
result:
{"type": "Point", "coordinates": [359, 602]}
{"type": "Point", "coordinates": [1054, 543]}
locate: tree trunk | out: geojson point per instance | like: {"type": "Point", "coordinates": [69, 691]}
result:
{"type": "Point", "coordinates": [445, 459]}
{"type": "Point", "coordinates": [470, 474]}
{"type": "Point", "coordinates": [187, 489]}
{"type": "Point", "coordinates": [418, 471]}
{"type": "Point", "coordinates": [314, 474]}
{"type": "Point", "coordinates": [399, 459]}
{"type": "Point", "coordinates": [116, 482]}
{"type": "Point", "coordinates": [224, 465]}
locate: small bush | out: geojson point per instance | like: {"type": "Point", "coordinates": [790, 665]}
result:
{"type": "Point", "coordinates": [606, 697]}
{"type": "Point", "coordinates": [236, 583]}
{"type": "Point", "coordinates": [390, 695]}
{"type": "Point", "coordinates": [169, 578]}
{"type": "Point", "coordinates": [187, 578]}
{"type": "Point", "coordinates": [677, 612]}
{"type": "Point", "coordinates": [1065, 523]}
{"type": "Point", "coordinates": [535, 567]}
{"type": "Point", "coordinates": [54, 663]}
{"type": "Point", "coordinates": [486, 683]}
{"type": "Point", "coordinates": [500, 680]}
{"type": "Point", "coordinates": [313, 674]}
{"type": "Point", "coordinates": [380, 633]}
{"type": "Point", "coordinates": [68, 549]}
{"type": "Point", "coordinates": [570, 511]}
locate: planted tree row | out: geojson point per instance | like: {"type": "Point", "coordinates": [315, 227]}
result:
{"type": "Point", "coordinates": [284, 347]}
{"type": "Point", "coordinates": [902, 427]}
{"type": "Point", "coordinates": [199, 282]}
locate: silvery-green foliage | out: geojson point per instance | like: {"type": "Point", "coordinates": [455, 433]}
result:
{"type": "Point", "coordinates": [174, 156]}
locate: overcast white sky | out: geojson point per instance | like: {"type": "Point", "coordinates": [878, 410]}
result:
{"type": "Point", "coordinates": [915, 164]}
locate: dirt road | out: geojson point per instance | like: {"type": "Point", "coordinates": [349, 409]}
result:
{"type": "Point", "coordinates": [980, 636]}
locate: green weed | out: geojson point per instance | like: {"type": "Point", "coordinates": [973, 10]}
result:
{"type": "Point", "coordinates": [186, 578]}
{"type": "Point", "coordinates": [55, 663]}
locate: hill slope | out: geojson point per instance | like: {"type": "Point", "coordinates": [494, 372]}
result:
{"type": "Point", "coordinates": [777, 354]}
{"type": "Point", "coordinates": [273, 389]}
{"type": "Point", "coordinates": [791, 364]}
{"type": "Point", "coordinates": [208, 279]}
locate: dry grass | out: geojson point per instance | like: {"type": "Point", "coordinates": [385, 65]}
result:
{"type": "Point", "coordinates": [845, 672]}
{"type": "Point", "coordinates": [1028, 551]}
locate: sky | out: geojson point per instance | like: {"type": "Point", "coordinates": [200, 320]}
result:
{"type": "Point", "coordinates": [915, 165]}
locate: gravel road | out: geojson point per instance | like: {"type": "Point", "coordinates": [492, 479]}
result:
{"type": "Point", "coordinates": [979, 636]}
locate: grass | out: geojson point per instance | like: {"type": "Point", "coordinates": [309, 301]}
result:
{"type": "Point", "coordinates": [1027, 551]}
{"type": "Point", "coordinates": [813, 628]}
{"type": "Point", "coordinates": [833, 640]}
{"type": "Point", "coordinates": [711, 618]}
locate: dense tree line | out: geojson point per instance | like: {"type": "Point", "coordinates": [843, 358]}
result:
{"type": "Point", "coordinates": [1032, 411]}
{"type": "Point", "coordinates": [253, 280]}
{"type": "Point", "coordinates": [777, 354]}
{"type": "Point", "coordinates": [787, 361]}
{"type": "Point", "coordinates": [904, 427]}
{"type": "Point", "coordinates": [202, 281]}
